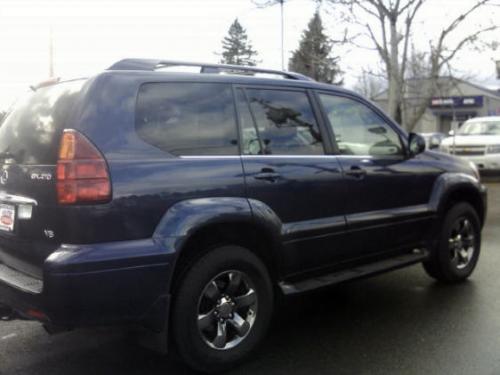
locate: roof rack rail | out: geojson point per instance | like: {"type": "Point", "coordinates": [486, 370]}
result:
{"type": "Point", "coordinates": [152, 65]}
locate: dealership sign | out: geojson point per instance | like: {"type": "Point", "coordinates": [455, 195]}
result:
{"type": "Point", "coordinates": [457, 101]}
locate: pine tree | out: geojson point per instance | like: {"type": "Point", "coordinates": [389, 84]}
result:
{"type": "Point", "coordinates": [313, 57]}
{"type": "Point", "coordinates": [236, 49]}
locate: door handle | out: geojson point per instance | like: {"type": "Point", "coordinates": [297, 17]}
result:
{"type": "Point", "coordinates": [356, 172]}
{"type": "Point", "coordinates": [267, 174]}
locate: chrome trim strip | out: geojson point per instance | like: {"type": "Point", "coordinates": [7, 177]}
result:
{"type": "Point", "coordinates": [16, 199]}
{"type": "Point", "coordinates": [288, 156]}
{"type": "Point", "coordinates": [257, 156]}
{"type": "Point", "coordinates": [363, 157]}
{"type": "Point", "coordinates": [214, 157]}
{"type": "Point", "coordinates": [378, 216]}
{"type": "Point", "coordinates": [326, 224]}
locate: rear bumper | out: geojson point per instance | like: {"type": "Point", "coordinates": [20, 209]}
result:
{"type": "Point", "coordinates": [99, 284]}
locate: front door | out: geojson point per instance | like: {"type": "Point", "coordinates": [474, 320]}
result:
{"type": "Point", "coordinates": [287, 169]}
{"type": "Point", "coordinates": [388, 202]}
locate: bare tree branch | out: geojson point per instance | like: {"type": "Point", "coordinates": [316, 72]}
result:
{"type": "Point", "coordinates": [469, 39]}
{"type": "Point", "coordinates": [389, 26]}
{"type": "Point", "coordinates": [408, 5]}
{"type": "Point", "coordinates": [409, 22]}
{"type": "Point", "coordinates": [383, 52]}
{"type": "Point", "coordinates": [368, 10]}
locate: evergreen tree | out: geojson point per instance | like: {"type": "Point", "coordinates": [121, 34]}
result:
{"type": "Point", "coordinates": [236, 49]}
{"type": "Point", "coordinates": [313, 57]}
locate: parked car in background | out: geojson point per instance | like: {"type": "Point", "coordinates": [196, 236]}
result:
{"type": "Point", "coordinates": [433, 140]}
{"type": "Point", "coordinates": [477, 140]}
{"type": "Point", "coordinates": [189, 203]}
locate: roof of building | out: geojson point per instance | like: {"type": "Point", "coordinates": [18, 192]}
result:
{"type": "Point", "coordinates": [483, 90]}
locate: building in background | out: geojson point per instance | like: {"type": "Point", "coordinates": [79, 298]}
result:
{"type": "Point", "coordinates": [456, 100]}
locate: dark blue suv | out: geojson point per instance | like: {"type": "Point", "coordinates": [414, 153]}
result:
{"type": "Point", "coordinates": [188, 203]}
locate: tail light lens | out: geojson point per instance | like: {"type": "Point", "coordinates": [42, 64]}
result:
{"type": "Point", "coordinates": [82, 172]}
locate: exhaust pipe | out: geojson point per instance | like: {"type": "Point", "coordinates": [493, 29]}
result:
{"type": "Point", "coordinates": [6, 313]}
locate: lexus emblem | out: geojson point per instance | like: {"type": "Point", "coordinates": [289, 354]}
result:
{"type": "Point", "coordinates": [4, 177]}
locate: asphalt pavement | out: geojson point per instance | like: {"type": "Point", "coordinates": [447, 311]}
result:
{"type": "Point", "coordinates": [398, 323]}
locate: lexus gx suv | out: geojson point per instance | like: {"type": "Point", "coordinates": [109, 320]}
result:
{"type": "Point", "coordinates": [189, 203]}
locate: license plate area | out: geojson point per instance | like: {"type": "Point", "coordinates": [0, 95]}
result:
{"type": "Point", "coordinates": [7, 217]}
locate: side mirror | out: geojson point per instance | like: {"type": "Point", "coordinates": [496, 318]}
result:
{"type": "Point", "coordinates": [451, 133]}
{"type": "Point", "coordinates": [416, 144]}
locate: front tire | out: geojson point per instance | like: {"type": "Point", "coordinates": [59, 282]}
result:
{"type": "Point", "coordinates": [222, 309]}
{"type": "Point", "coordinates": [456, 254]}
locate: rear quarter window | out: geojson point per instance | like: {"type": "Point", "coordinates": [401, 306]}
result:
{"type": "Point", "coordinates": [31, 132]}
{"type": "Point", "coordinates": [187, 118]}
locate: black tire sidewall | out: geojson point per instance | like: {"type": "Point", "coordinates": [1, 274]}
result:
{"type": "Point", "coordinates": [448, 270]}
{"type": "Point", "coordinates": [190, 345]}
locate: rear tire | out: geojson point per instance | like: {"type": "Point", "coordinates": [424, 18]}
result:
{"type": "Point", "coordinates": [456, 254]}
{"type": "Point", "coordinates": [222, 309]}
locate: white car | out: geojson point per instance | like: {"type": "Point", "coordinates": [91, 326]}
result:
{"type": "Point", "coordinates": [477, 140]}
{"type": "Point", "coordinates": [433, 140]}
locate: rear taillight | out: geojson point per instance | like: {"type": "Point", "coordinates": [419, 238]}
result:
{"type": "Point", "coordinates": [82, 172]}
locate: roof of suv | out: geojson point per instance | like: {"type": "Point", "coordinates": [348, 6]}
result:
{"type": "Point", "coordinates": [156, 68]}
{"type": "Point", "coordinates": [156, 64]}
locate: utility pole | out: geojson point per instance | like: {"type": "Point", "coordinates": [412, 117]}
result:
{"type": "Point", "coordinates": [51, 54]}
{"type": "Point", "coordinates": [270, 3]}
{"type": "Point", "coordinates": [282, 35]}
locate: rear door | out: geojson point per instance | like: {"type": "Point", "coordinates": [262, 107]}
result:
{"type": "Point", "coordinates": [29, 143]}
{"type": "Point", "coordinates": [387, 207]}
{"type": "Point", "coordinates": [287, 167]}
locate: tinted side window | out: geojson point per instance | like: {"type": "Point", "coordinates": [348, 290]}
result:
{"type": "Point", "coordinates": [285, 124]}
{"type": "Point", "coordinates": [358, 130]}
{"type": "Point", "coordinates": [188, 118]}
{"type": "Point", "coordinates": [250, 137]}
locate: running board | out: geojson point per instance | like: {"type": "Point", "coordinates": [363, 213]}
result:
{"type": "Point", "coordinates": [400, 261]}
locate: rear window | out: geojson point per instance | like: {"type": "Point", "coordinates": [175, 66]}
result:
{"type": "Point", "coordinates": [188, 118]}
{"type": "Point", "coordinates": [30, 133]}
